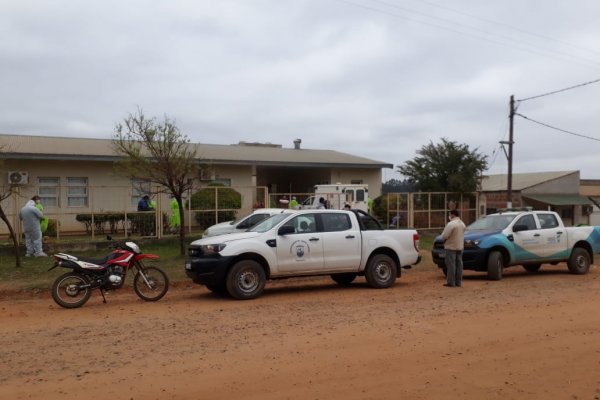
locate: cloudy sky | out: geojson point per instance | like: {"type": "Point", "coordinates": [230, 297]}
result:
{"type": "Point", "coordinates": [374, 78]}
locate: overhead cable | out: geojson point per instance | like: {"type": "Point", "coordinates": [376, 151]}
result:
{"type": "Point", "coordinates": [475, 33]}
{"type": "Point", "coordinates": [509, 26]}
{"type": "Point", "coordinates": [558, 129]}
{"type": "Point", "coordinates": [561, 90]}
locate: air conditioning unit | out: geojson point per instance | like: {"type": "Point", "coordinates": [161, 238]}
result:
{"type": "Point", "coordinates": [18, 178]}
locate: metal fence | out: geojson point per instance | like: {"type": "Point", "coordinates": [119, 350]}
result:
{"type": "Point", "coordinates": [425, 211]}
{"type": "Point", "coordinates": [102, 210]}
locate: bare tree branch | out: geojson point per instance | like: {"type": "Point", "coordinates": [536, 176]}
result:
{"type": "Point", "coordinates": [157, 152]}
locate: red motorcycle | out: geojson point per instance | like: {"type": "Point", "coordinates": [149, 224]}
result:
{"type": "Point", "coordinates": [73, 289]}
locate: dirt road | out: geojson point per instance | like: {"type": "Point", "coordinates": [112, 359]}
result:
{"type": "Point", "coordinates": [529, 336]}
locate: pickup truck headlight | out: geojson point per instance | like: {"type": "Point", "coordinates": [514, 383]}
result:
{"type": "Point", "coordinates": [210, 249]}
{"type": "Point", "coordinates": [472, 243]}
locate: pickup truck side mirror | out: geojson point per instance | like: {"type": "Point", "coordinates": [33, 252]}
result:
{"type": "Point", "coordinates": [286, 230]}
{"type": "Point", "coordinates": [520, 228]}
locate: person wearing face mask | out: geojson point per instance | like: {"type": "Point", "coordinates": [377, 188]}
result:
{"type": "Point", "coordinates": [454, 244]}
{"type": "Point", "coordinates": [31, 217]}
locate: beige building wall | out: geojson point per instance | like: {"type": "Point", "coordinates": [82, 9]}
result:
{"type": "Point", "coordinates": [370, 177]}
{"type": "Point", "coordinates": [107, 191]}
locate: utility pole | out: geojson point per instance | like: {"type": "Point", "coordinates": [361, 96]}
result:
{"type": "Point", "coordinates": [509, 156]}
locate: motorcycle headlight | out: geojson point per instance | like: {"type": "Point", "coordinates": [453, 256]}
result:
{"type": "Point", "coordinates": [209, 249]}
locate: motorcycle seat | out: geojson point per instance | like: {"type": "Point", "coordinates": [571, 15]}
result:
{"type": "Point", "coordinates": [97, 261]}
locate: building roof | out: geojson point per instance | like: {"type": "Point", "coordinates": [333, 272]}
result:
{"type": "Point", "coordinates": [63, 148]}
{"type": "Point", "coordinates": [559, 199]}
{"type": "Point", "coordinates": [495, 183]}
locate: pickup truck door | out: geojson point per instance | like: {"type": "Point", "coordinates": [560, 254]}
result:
{"type": "Point", "coordinates": [528, 242]}
{"type": "Point", "coordinates": [554, 236]}
{"type": "Point", "coordinates": [301, 251]}
{"type": "Point", "coordinates": [341, 242]}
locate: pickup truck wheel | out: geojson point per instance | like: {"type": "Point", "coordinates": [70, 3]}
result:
{"type": "Point", "coordinates": [246, 280]}
{"type": "Point", "coordinates": [495, 265]}
{"type": "Point", "coordinates": [343, 279]}
{"type": "Point", "coordinates": [381, 272]}
{"type": "Point", "coordinates": [579, 262]}
{"type": "Point", "coordinates": [445, 271]}
{"type": "Point", "coordinates": [532, 267]}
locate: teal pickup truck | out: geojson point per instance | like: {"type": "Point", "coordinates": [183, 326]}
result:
{"type": "Point", "coordinates": [527, 238]}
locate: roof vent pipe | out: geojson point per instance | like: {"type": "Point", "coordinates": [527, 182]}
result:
{"type": "Point", "coordinates": [297, 144]}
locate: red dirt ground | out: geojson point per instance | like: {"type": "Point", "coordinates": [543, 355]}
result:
{"type": "Point", "coordinates": [529, 336]}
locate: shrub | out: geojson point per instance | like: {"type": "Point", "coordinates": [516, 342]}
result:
{"type": "Point", "coordinates": [380, 205]}
{"type": "Point", "coordinates": [228, 199]}
{"type": "Point", "coordinates": [51, 231]}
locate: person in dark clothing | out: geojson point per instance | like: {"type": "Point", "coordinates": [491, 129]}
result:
{"type": "Point", "coordinates": [144, 204]}
{"type": "Point", "coordinates": [146, 222]}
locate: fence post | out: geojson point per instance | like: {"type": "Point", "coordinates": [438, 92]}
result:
{"type": "Point", "coordinates": [189, 207]}
{"type": "Point", "coordinates": [216, 205]}
{"type": "Point", "coordinates": [158, 220]}
{"type": "Point", "coordinates": [409, 206]}
{"type": "Point", "coordinates": [16, 219]}
{"type": "Point", "coordinates": [92, 210]}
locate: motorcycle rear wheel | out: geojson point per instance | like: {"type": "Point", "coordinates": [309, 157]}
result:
{"type": "Point", "coordinates": [154, 286]}
{"type": "Point", "coordinates": [67, 291]}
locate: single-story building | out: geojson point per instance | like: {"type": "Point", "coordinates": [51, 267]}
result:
{"type": "Point", "coordinates": [75, 175]}
{"type": "Point", "coordinates": [557, 191]}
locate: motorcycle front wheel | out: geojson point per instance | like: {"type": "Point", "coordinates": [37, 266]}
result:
{"type": "Point", "coordinates": [71, 290]}
{"type": "Point", "coordinates": [151, 283]}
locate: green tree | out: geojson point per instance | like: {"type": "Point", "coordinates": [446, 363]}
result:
{"type": "Point", "coordinates": [445, 167]}
{"type": "Point", "coordinates": [156, 151]}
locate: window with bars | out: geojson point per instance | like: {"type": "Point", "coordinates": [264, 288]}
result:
{"type": "Point", "coordinates": [49, 191]}
{"type": "Point", "coordinates": [77, 192]}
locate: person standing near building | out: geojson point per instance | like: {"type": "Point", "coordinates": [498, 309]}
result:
{"type": "Point", "coordinates": [293, 203]}
{"type": "Point", "coordinates": [454, 244]}
{"type": "Point", "coordinates": [146, 223]}
{"type": "Point", "coordinates": [175, 221]}
{"type": "Point", "coordinates": [322, 204]}
{"type": "Point", "coordinates": [44, 220]}
{"type": "Point", "coordinates": [31, 218]}
{"type": "Point", "coordinates": [144, 203]}
{"type": "Point", "coordinates": [284, 202]}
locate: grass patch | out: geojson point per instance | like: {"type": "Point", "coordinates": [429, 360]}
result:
{"type": "Point", "coordinates": [34, 272]}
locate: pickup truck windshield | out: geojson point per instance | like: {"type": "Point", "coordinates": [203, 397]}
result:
{"type": "Point", "coordinates": [269, 223]}
{"type": "Point", "coordinates": [491, 223]}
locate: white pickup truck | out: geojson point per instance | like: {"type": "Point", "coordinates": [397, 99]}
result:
{"type": "Point", "coordinates": [342, 244]}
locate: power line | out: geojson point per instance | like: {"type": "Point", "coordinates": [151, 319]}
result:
{"type": "Point", "coordinates": [476, 29]}
{"type": "Point", "coordinates": [558, 129]}
{"type": "Point", "coordinates": [513, 43]}
{"type": "Point", "coordinates": [496, 150]}
{"type": "Point", "coordinates": [561, 90]}
{"type": "Point", "coordinates": [508, 26]}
